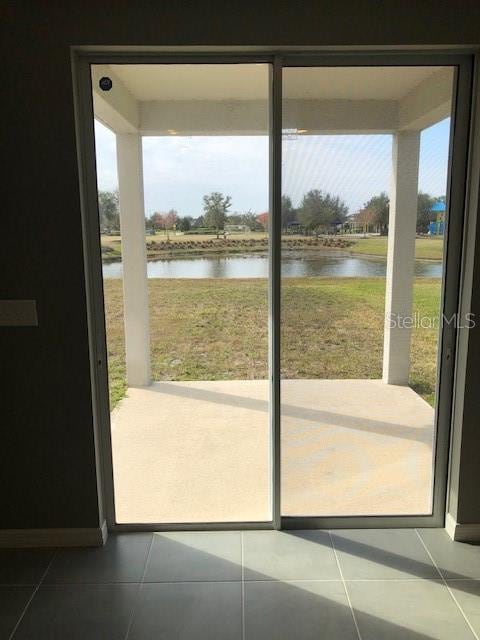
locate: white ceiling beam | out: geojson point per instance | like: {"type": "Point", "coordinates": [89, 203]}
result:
{"type": "Point", "coordinates": [117, 109]}
{"type": "Point", "coordinates": [428, 103]}
{"type": "Point", "coordinates": [204, 117]}
{"type": "Point", "coordinates": [250, 117]}
{"type": "Point", "coordinates": [340, 116]}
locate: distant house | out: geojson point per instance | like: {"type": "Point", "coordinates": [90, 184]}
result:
{"type": "Point", "coordinates": [237, 228]}
{"type": "Point", "coordinates": [295, 227]}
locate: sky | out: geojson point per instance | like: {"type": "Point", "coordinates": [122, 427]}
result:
{"type": "Point", "coordinates": [179, 171]}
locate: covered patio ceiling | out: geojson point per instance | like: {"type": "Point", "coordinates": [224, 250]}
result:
{"type": "Point", "coordinates": [231, 99]}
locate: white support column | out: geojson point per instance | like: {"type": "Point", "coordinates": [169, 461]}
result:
{"type": "Point", "coordinates": [134, 258]}
{"type": "Point", "coordinates": [400, 258]}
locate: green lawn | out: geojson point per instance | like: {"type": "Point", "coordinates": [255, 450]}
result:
{"type": "Point", "coordinates": [217, 329]}
{"type": "Point", "coordinates": [425, 248]}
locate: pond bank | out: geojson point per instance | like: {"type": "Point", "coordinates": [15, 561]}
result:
{"type": "Point", "coordinates": [187, 246]}
{"type": "Point", "coordinates": [222, 246]}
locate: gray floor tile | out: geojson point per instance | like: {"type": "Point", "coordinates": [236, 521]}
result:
{"type": "Point", "coordinates": [12, 603]}
{"type": "Point", "coordinates": [303, 610]}
{"type": "Point", "coordinates": [454, 559]}
{"type": "Point", "coordinates": [382, 554]}
{"type": "Point", "coordinates": [78, 611]}
{"type": "Point", "coordinates": [122, 559]}
{"type": "Point", "coordinates": [288, 555]}
{"type": "Point", "coordinates": [467, 592]}
{"type": "Point", "coordinates": [401, 610]}
{"type": "Point", "coordinates": [188, 611]}
{"type": "Point", "coordinates": [195, 556]}
{"type": "Point", "coordinates": [24, 566]}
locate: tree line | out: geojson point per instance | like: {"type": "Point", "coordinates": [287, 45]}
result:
{"type": "Point", "coordinates": [375, 213]}
{"type": "Point", "coordinates": [318, 212]}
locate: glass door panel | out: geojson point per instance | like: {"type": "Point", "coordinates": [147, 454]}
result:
{"type": "Point", "coordinates": [183, 186]}
{"type": "Point", "coordinates": [365, 158]}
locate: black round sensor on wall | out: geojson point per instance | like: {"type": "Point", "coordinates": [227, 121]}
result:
{"type": "Point", "coordinates": [105, 83]}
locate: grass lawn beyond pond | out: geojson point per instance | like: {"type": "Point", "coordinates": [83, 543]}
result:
{"type": "Point", "coordinates": [216, 329]}
{"type": "Point", "coordinates": [425, 248]}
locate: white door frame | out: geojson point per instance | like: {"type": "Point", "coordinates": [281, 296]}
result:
{"type": "Point", "coordinates": [82, 58]}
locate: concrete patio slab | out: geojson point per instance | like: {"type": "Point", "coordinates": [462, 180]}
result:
{"type": "Point", "coordinates": [200, 452]}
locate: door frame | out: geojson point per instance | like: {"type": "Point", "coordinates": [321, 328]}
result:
{"type": "Point", "coordinates": [82, 58]}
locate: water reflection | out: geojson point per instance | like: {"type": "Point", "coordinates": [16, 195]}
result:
{"type": "Point", "coordinates": [295, 264]}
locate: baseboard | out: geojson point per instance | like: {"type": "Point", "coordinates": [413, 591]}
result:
{"type": "Point", "coordinates": [16, 538]}
{"type": "Point", "coordinates": [462, 532]}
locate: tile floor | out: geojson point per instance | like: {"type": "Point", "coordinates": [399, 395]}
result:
{"type": "Point", "coordinates": [252, 585]}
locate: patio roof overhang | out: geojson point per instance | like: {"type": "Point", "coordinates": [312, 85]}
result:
{"type": "Point", "coordinates": [164, 100]}
{"type": "Point", "coordinates": [145, 100]}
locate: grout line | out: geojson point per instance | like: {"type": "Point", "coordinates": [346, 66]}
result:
{"type": "Point", "coordinates": [191, 581]}
{"type": "Point", "coordinates": [347, 580]}
{"type": "Point", "coordinates": [147, 559]}
{"type": "Point", "coordinates": [464, 579]}
{"type": "Point", "coordinates": [16, 585]}
{"type": "Point", "coordinates": [288, 581]}
{"type": "Point", "coordinates": [243, 585]}
{"type": "Point", "coordinates": [139, 586]}
{"type": "Point", "coordinates": [22, 615]}
{"type": "Point", "coordinates": [446, 585]}
{"type": "Point", "coordinates": [252, 581]}
{"type": "Point", "coordinates": [345, 587]}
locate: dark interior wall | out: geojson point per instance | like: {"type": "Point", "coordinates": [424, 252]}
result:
{"type": "Point", "coordinates": [47, 464]}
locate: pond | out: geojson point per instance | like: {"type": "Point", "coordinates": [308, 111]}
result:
{"type": "Point", "coordinates": [295, 264]}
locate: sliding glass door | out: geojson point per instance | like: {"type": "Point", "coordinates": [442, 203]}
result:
{"type": "Point", "coordinates": [280, 243]}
